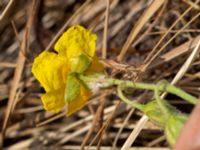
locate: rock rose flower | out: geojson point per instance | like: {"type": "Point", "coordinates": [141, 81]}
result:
{"type": "Point", "coordinates": [57, 72]}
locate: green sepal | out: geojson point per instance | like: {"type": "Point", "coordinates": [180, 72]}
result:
{"type": "Point", "coordinates": [72, 88]}
{"type": "Point", "coordinates": [81, 63]}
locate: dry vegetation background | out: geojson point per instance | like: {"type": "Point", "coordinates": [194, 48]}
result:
{"type": "Point", "coordinates": [147, 40]}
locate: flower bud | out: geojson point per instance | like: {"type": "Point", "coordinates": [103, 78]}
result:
{"type": "Point", "coordinates": [173, 127]}
{"type": "Point", "coordinates": [153, 111]}
{"type": "Point", "coordinates": [172, 122]}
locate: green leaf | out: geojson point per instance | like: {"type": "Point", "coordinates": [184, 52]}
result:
{"type": "Point", "coordinates": [72, 88]}
{"type": "Point", "coordinates": [81, 63]}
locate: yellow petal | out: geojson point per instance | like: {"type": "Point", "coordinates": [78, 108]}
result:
{"type": "Point", "coordinates": [79, 102]}
{"type": "Point", "coordinates": [53, 101]}
{"type": "Point", "coordinates": [50, 70]}
{"type": "Point", "coordinates": [75, 41]}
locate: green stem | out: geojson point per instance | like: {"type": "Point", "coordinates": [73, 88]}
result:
{"type": "Point", "coordinates": [160, 102]}
{"type": "Point", "coordinates": [178, 92]}
{"type": "Point", "coordinates": [108, 82]}
{"type": "Point", "coordinates": [168, 88]}
{"type": "Point", "coordinates": [127, 101]}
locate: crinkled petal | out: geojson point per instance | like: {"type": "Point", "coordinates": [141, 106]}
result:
{"type": "Point", "coordinates": [79, 102]}
{"type": "Point", "coordinates": [75, 41]}
{"type": "Point", "coordinates": [53, 101]}
{"type": "Point", "coordinates": [50, 70]}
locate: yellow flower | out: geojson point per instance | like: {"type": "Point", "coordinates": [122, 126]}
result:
{"type": "Point", "coordinates": [52, 69]}
{"type": "Point", "coordinates": [74, 43]}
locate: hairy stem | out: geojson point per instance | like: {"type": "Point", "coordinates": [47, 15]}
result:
{"type": "Point", "coordinates": [168, 88]}
{"type": "Point", "coordinates": [108, 82]}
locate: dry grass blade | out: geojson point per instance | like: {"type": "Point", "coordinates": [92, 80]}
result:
{"type": "Point", "coordinates": [122, 23]}
{"type": "Point", "coordinates": [76, 133]}
{"type": "Point", "coordinates": [85, 120]}
{"type": "Point", "coordinates": [181, 49]}
{"type": "Point", "coordinates": [187, 64]}
{"type": "Point", "coordinates": [66, 24]}
{"type": "Point", "coordinates": [100, 112]}
{"type": "Point", "coordinates": [192, 4]}
{"type": "Point", "coordinates": [173, 37]}
{"type": "Point", "coordinates": [22, 145]}
{"type": "Point", "coordinates": [105, 126]}
{"type": "Point", "coordinates": [105, 33]}
{"type": "Point", "coordinates": [7, 65]}
{"type": "Point", "coordinates": [163, 37]}
{"type": "Point", "coordinates": [150, 27]}
{"type": "Point", "coordinates": [122, 127]}
{"type": "Point", "coordinates": [94, 123]}
{"type": "Point", "coordinates": [51, 119]}
{"type": "Point", "coordinates": [156, 4]}
{"type": "Point", "coordinates": [86, 128]}
{"type": "Point", "coordinates": [16, 79]}
{"type": "Point", "coordinates": [7, 10]}
{"type": "Point", "coordinates": [19, 69]}
{"type": "Point", "coordinates": [156, 141]}
{"type": "Point", "coordinates": [71, 147]}
{"type": "Point", "coordinates": [134, 133]}
{"type": "Point", "coordinates": [176, 52]}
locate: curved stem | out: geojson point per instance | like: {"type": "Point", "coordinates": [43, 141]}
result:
{"type": "Point", "coordinates": [168, 88]}
{"type": "Point", "coordinates": [160, 102]}
{"type": "Point", "coordinates": [127, 101]}
{"type": "Point", "coordinates": [108, 82]}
